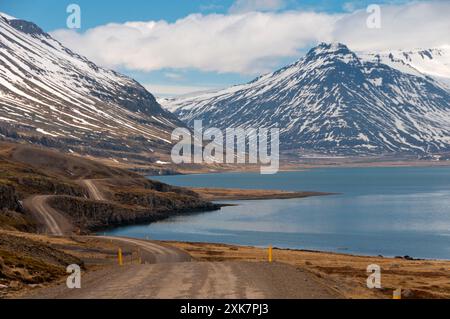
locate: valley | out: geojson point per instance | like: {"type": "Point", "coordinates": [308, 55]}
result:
{"type": "Point", "coordinates": [88, 176]}
{"type": "Point", "coordinates": [29, 262]}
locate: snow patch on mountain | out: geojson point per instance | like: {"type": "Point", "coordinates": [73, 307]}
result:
{"type": "Point", "coordinates": [419, 62]}
{"type": "Point", "coordinates": [335, 101]}
{"type": "Point", "coordinates": [53, 92]}
{"type": "Point", "coordinates": [6, 16]}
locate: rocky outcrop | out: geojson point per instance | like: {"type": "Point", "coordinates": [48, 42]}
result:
{"type": "Point", "coordinates": [8, 198]}
{"type": "Point", "coordinates": [154, 200]}
{"type": "Point", "coordinates": [43, 185]}
{"type": "Point", "coordinates": [90, 215]}
{"type": "Point", "coordinates": [11, 211]}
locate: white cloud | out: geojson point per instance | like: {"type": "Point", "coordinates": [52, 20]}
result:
{"type": "Point", "coordinates": [243, 6]}
{"type": "Point", "coordinates": [173, 75]}
{"type": "Point", "coordinates": [254, 42]}
{"type": "Point", "coordinates": [417, 25]}
{"type": "Point", "coordinates": [175, 90]}
{"type": "Point", "coordinates": [244, 43]}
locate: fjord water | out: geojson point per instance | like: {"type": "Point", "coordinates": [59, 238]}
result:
{"type": "Point", "coordinates": [394, 211]}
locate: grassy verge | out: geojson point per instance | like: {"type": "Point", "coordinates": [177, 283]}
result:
{"type": "Point", "coordinates": [345, 273]}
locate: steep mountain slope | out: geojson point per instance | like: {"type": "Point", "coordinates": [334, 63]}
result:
{"type": "Point", "coordinates": [332, 101]}
{"type": "Point", "coordinates": [51, 95]}
{"type": "Point", "coordinates": [431, 62]}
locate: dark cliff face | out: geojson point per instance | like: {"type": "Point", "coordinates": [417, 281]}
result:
{"type": "Point", "coordinates": [129, 198]}
{"type": "Point", "coordinates": [12, 216]}
{"type": "Point", "coordinates": [130, 201]}
{"type": "Point", "coordinates": [89, 216]}
{"type": "Point", "coordinates": [8, 198]}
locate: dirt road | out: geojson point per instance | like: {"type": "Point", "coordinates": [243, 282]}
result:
{"type": "Point", "coordinates": [194, 280]}
{"type": "Point", "coordinates": [52, 222]}
{"type": "Point", "coordinates": [94, 192]}
{"type": "Point", "coordinates": [154, 253]}
{"type": "Point", "coordinates": [169, 272]}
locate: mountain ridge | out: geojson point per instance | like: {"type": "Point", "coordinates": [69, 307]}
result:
{"type": "Point", "coordinates": [333, 101]}
{"type": "Point", "coordinates": [52, 96]}
{"type": "Point", "coordinates": [433, 62]}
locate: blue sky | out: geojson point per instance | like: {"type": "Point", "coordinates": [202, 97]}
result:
{"type": "Point", "coordinates": [51, 15]}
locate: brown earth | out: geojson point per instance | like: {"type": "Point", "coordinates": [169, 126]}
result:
{"type": "Point", "coordinates": [25, 262]}
{"type": "Point", "coordinates": [112, 196]}
{"type": "Point", "coordinates": [347, 274]}
{"type": "Point", "coordinates": [214, 194]}
{"type": "Point", "coordinates": [156, 270]}
{"type": "Point", "coordinates": [287, 163]}
{"type": "Point", "coordinates": [30, 261]}
{"type": "Point", "coordinates": [49, 188]}
{"type": "Point", "coordinates": [224, 271]}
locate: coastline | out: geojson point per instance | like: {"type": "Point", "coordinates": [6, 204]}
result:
{"type": "Point", "coordinates": [213, 195]}
{"type": "Point", "coordinates": [217, 194]}
{"type": "Point", "coordinates": [343, 273]}
{"type": "Point", "coordinates": [418, 278]}
{"type": "Point", "coordinates": [285, 166]}
{"type": "Point", "coordinates": [120, 189]}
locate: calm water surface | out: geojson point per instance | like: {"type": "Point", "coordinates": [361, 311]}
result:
{"type": "Point", "coordinates": [379, 211]}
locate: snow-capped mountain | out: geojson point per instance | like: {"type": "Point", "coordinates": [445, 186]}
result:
{"type": "Point", "coordinates": [333, 101]}
{"type": "Point", "coordinates": [431, 62]}
{"type": "Point", "coordinates": [51, 95]}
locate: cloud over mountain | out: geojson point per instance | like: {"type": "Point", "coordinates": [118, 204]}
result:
{"type": "Point", "coordinates": [254, 42]}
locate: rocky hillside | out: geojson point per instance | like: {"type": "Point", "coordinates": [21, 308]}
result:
{"type": "Point", "coordinates": [29, 262]}
{"type": "Point", "coordinates": [52, 96]}
{"type": "Point", "coordinates": [128, 198]}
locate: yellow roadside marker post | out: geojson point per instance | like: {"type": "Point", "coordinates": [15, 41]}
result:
{"type": "Point", "coordinates": [139, 257]}
{"type": "Point", "coordinates": [119, 257]}
{"type": "Point", "coordinates": [398, 294]}
{"type": "Point", "coordinates": [270, 254]}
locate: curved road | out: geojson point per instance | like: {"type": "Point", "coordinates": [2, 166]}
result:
{"type": "Point", "coordinates": [94, 192]}
{"type": "Point", "coordinates": [154, 253]}
{"type": "Point", "coordinates": [172, 273]}
{"type": "Point", "coordinates": [53, 223]}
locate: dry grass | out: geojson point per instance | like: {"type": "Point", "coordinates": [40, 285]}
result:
{"type": "Point", "coordinates": [30, 261]}
{"type": "Point", "coordinates": [345, 273]}
{"type": "Point", "coordinates": [25, 262]}
{"type": "Point", "coordinates": [213, 194]}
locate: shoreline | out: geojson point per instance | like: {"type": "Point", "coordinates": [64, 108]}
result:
{"type": "Point", "coordinates": [218, 194]}
{"type": "Point", "coordinates": [177, 170]}
{"type": "Point", "coordinates": [125, 196]}
{"type": "Point", "coordinates": [347, 273]}
{"type": "Point", "coordinates": [344, 273]}
{"type": "Point", "coordinates": [301, 250]}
